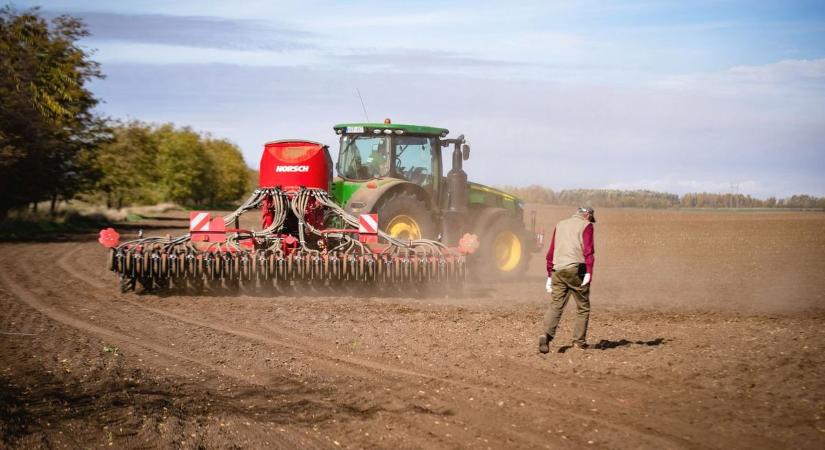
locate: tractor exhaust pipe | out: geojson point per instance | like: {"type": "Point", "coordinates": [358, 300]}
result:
{"type": "Point", "coordinates": [455, 216]}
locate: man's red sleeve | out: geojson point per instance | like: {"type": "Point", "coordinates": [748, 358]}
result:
{"type": "Point", "coordinates": [550, 254]}
{"type": "Point", "coordinates": [588, 248]}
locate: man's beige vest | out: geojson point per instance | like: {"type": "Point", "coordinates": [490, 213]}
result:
{"type": "Point", "coordinates": [568, 252]}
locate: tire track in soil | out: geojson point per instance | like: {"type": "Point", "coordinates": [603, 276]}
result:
{"type": "Point", "coordinates": [76, 340]}
{"type": "Point", "coordinates": [284, 341]}
{"type": "Point", "coordinates": [366, 368]}
{"type": "Point", "coordinates": [165, 354]}
{"type": "Point", "coordinates": [660, 439]}
{"type": "Point", "coordinates": [144, 342]}
{"type": "Point", "coordinates": [353, 363]}
{"type": "Point", "coordinates": [519, 371]}
{"type": "Point", "coordinates": [363, 369]}
{"type": "Point", "coordinates": [410, 422]}
{"type": "Point", "coordinates": [31, 299]}
{"type": "Point", "coordinates": [171, 354]}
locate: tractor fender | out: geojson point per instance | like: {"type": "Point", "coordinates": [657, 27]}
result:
{"type": "Point", "coordinates": [482, 219]}
{"type": "Point", "coordinates": [366, 199]}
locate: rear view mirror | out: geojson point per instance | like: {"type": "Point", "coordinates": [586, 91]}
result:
{"type": "Point", "coordinates": [465, 151]}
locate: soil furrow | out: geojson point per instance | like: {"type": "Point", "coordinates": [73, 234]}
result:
{"type": "Point", "coordinates": [295, 342]}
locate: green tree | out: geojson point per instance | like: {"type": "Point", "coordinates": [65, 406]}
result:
{"type": "Point", "coordinates": [48, 133]}
{"type": "Point", "coordinates": [127, 166]}
{"type": "Point", "coordinates": [230, 173]}
{"type": "Point", "coordinates": [146, 164]}
{"type": "Point", "coordinates": [184, 173]}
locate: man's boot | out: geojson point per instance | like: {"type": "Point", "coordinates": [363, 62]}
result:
{"type": "Point", "coordinates": [544, 341]}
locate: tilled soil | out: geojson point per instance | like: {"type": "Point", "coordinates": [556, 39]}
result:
{"type": "Point", "coordinates": [707, 331]}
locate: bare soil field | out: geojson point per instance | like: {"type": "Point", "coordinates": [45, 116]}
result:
{"type": "Point", "coordinates": [709, 330]}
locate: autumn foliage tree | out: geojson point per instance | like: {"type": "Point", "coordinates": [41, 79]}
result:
{"type": "Point", "coordinates": [126, 165]}
{"type": "Point", "coordinates": [146, 164]}
{"type": "Point", "coordinates": [230, 174]}
{"type": "Point", "coordinates": [48, 132]}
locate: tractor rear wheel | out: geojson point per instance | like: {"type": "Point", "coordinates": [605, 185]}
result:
{"type": "Point", "coordinates": [403, 216]}
{"type": "Point", "coordinates": [503, 254]}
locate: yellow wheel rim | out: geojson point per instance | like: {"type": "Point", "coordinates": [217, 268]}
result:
{"type": "Point", "coordinates": [507, 251]}
{"type": "Point", "coordinates": [404, 227]}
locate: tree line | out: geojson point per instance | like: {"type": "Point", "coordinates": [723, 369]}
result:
{"type": "Point", "coordinates": [148, 164]}
{"type": "Point", "coordinates": [48, 132]}
{"type": "Point", "coordinates": [54, 146]}
{"type": "Point", "coordinates": [614, 198]}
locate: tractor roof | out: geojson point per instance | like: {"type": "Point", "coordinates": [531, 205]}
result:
{"type": "Point", "coordinates": [368, 127]}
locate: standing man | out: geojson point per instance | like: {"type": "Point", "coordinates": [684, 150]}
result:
{"type": "Point", "coordinates": [569, 271]}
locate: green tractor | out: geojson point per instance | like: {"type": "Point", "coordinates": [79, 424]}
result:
{"type": "Point", "coordinates": [396, 172]}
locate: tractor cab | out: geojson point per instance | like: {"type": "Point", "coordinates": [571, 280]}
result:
{"type": "Point", "coordinates": [383, 151]}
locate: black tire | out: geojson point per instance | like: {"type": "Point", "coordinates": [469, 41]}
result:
{"type": "Point", "coordinates": [510, 264]}
{"type": "Point", "coordinates": [406, 204]}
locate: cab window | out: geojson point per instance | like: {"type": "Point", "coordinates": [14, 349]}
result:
{"type": "Point", "coordinates": [414, 159]}
{"type": "Point", "coordinates": [364, 157]}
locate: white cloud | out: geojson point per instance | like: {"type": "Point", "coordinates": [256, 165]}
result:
{"type": "Point", "coordinates": [156, 54]}
{"type": "Point", "coordinates": [786, 77]}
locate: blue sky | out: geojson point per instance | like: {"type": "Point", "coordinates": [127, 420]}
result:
{"type": "Point", "coordinates": [674, 96]}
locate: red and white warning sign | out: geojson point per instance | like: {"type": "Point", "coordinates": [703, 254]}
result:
{"type": "Point", "coordinates": [368, 223]}
{"type": "Point", "coordinates": [198, 221]}
{"type": "Point", "coordinates": [203, 228]}
{"type": "Point", "coordinates": [368, 227]}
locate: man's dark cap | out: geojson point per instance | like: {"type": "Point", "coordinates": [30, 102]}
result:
{"type": "Point", "coordinates": [588, 210]}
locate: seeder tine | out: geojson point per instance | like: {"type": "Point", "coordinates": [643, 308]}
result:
{"type": "Point", "coordinates": [281, 271]}
{"type": "Point", "coordinates": [289, 274]}
{"type": "Point", "coordinates": [420, 269]}
{"type": "Point", "coordinates": [353, 266]}
{"type": "Point", "coordinates": [443, 271]}
{"type": "Point", "coordinates": [316, 268]}
{"type": "Point", "coordinates": [139, 266]}
{"type": "Point", "coordinates": [244, 269]}
{"type": "Point", "coordinates": [155, 272]}
{"type": "Point", "coordinates": [337, 267]}
{"type": "Point", "coordinates": [298, 266]}
{"type": "Point", "coordinates": [230, 271]}
{"type": "Point", "coordinates": [406, 269]}
{"type": "Point", "coordinates": [172, 265]}
{"type": "Point", "coordinates": [461, 272]}
{"type": "Point", "coordinates": [370, 269]}
{"type": "Point", "coordinates": [190, 266]}
{"type": "Point", "coordinates": [358, 271]}
{"type": "Point", "coordinates": [262, 268]}
{"type": "Point", "coordinates": [164, 265]}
